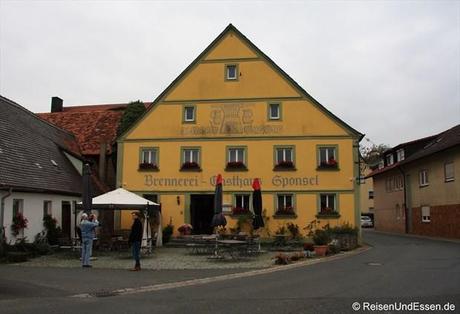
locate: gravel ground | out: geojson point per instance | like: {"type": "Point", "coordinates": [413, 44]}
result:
{"type": "Point", "coordinates": [160, 259]}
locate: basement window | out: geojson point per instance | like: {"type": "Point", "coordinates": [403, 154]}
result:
{"type": "Point", "coordinates": [426, 217]}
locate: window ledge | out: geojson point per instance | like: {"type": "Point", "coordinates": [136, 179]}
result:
{"type": "Point", "coordinates": [327, 216]}
{"type": "Point", "coordinates": [190, 169]}
{"type": "Point", "coordinates": [292, 216]}
{"type": "Point", "coordinates": [242, 168]}
{"type": "Point", "coordinates": [148, 169]}
{"type": "Point", "coordinates": [327, 169]}
{"type": "Point", "coordinates": [284, 169]}
{"type": "Point", "coordinates": [423, 185]}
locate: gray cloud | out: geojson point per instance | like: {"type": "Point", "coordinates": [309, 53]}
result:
{"type": "Point", "coordinates": [389, 69]}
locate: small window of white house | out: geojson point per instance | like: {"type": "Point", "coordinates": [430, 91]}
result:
{"type": "Point", "coordinates": [274, 111]}
{"type": "Point", "coordinates": [426, 216]}
{"type": "Point", "coordinates": [231, 72]}
{"type": "Point", "coordinates": [400, 154]}
{"type": "Point", "coordinates": [423, 177]}
{"type": "Point", "coordinates": [189, 113]}
{"type": "Point", "coordinates": [389, 159]}
{"type": "Point", "coordinates": [47, 208]}
{"type": "Point", "coordinates": [18, 207]}
{"type": "Point", "coordinates": [449, 172]}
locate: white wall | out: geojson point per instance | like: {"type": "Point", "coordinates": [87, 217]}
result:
{"type": "Point", "coordinates": [33, 211]}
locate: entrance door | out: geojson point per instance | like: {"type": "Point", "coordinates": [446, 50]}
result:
{"type": "Point", "coordinates": [65, 219]}
{"type": "Point", "coordinates": [201, 213]}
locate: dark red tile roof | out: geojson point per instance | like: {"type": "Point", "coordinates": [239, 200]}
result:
{"type": "Point", "coordinates": [91, 124]}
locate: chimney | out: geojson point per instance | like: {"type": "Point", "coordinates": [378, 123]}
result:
{"type": "Point", "coordinates": [56, 104]}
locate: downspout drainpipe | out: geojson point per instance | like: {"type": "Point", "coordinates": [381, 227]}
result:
{"type": "Point", "coordinates": [407, 219]}
{"type": "Point", "coordinates": [2, 211]}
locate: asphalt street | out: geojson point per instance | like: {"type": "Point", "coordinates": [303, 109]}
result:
{"type": "Point", "coordinates": [397, 269]}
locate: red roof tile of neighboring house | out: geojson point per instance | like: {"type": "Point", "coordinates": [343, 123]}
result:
{"type": "Point", "coordinates": [90, 124]}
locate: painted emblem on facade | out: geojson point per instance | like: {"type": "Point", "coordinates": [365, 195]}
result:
{"type": "Point", "coordinates": [232, 119]}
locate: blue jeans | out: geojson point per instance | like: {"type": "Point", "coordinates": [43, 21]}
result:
{"type": "Point", "coordinates": [86, 248]}
{"type": "Point", "coordinates": [137, 252]}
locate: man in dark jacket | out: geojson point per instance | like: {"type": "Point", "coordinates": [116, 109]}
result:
{"type": "Point", "coordinates": [135, 239]}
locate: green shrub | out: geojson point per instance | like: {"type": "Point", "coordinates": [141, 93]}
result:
{"type": "Point", "coordinates": [321, 237]}
{"type": "Point", "coordinates": [53, 232]}
{"type": "Point", "coordinates": [344, 229]}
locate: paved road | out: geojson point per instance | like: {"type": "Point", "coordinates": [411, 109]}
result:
{"type": "Point", "coordinates": [396, 269]}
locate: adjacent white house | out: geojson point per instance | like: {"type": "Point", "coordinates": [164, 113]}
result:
{"type": "Point", "coordinates": [40, 172]}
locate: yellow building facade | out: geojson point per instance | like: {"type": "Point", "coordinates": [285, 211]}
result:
{"type": "Point", "coordinates": [234, 112]}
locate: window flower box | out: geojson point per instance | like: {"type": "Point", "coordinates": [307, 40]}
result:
{"type": "Point", "coordinates": [236, 211]}
{"type": "Point", "coordinates": [285, 164]}
{"type": "Point", "coordinates": [235, 165]}
{"type": "Point", "coordinates": [328, 213]}
{"type": "Point", "coordinates": [190, 165]}
{"type": "Point", "coordinates": [330, 164]}
{"type": "Point", "coordinates": [285, 211]}
{"type": "Point", "coordinates": [148, 166]}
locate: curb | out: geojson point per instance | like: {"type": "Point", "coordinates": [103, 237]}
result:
{"type": "Point", "coordinates": [415, 236]}
{"type": "Point", "coordinates": [201, 281]}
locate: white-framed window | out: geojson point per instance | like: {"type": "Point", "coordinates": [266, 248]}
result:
{"type": "Point", "coordinates": [189, 113]}
{"type": "Point", "coordinates": [381, 164]}
{"type": "Point", "coordinates": [400, 154]}
{"type": "Point", "coordinates": [423, 177]}
{"type": "Point", "coordinates": [285, 204]}
{"type": "Point", "coordinates": [191, 155]}
{"type": "Point", "coordinates": [149, 156]}
{"type": "Point", "coordinates": [449, 172]}
{"type": "Point", "coordinates": [47, 208]}
{"type": "Point", "coordinates": [274, 111]}
{"type": "Point", "coordinates": [371, 194]}
{"type": "Point", "coordinates": [389, 159]}
{"type": "Point", "coordinates": [327, 157]}
{"type": "Point", "coordinates": [242, 201]}
{"type": "Point", "coordinates": [328, 203]}
{"type": "Point", "coordinates": [236, 154]}
{"type": "Point", "coordinates": [231, 72]}
{"type": "Point", "coordinates": [284, 154]}
{"type": "Point", "coordinates": [426, 215]}
{"type": "Point", "coordinates": [18, 207]}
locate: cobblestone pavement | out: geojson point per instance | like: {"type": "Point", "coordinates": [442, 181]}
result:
{"type": "Point", "coordinates": [160, 259]}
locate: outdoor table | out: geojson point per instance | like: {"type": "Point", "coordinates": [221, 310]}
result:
{"type": "Point", "coordinates": [231, 248]}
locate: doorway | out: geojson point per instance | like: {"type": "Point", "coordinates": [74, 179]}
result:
{"type": "Point", "coordinates": [65, 219]}
{"type": "Point", "coordinates": [201, 213]}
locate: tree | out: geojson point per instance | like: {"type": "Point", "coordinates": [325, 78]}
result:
{"type": "Point", "coordinates": [373, 154]}
{"type": "Point", "coordinates": [133, 111]}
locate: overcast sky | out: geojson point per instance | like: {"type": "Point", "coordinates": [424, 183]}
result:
{"type": "Point", "coordinates": [390, 69]}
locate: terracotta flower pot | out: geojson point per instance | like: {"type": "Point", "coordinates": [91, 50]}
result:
{"type": "Point", "coordinates": [320, 250]}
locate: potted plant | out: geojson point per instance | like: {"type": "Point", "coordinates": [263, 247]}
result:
{"type": "Point", "coordinates": [148, 166]}
{"type": "Point", "coordinates": [321, 239]}
{"type": "Point", "coordinates": [239, 211]}
{"type": "Point", "coordinates": [190, 165]}
{"type": "Point", "coordinates": [235, 165]}
{"type": "Point", "coordinates": [185, 229]}
{"type": "Point", "coordinates": [284, 164]}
